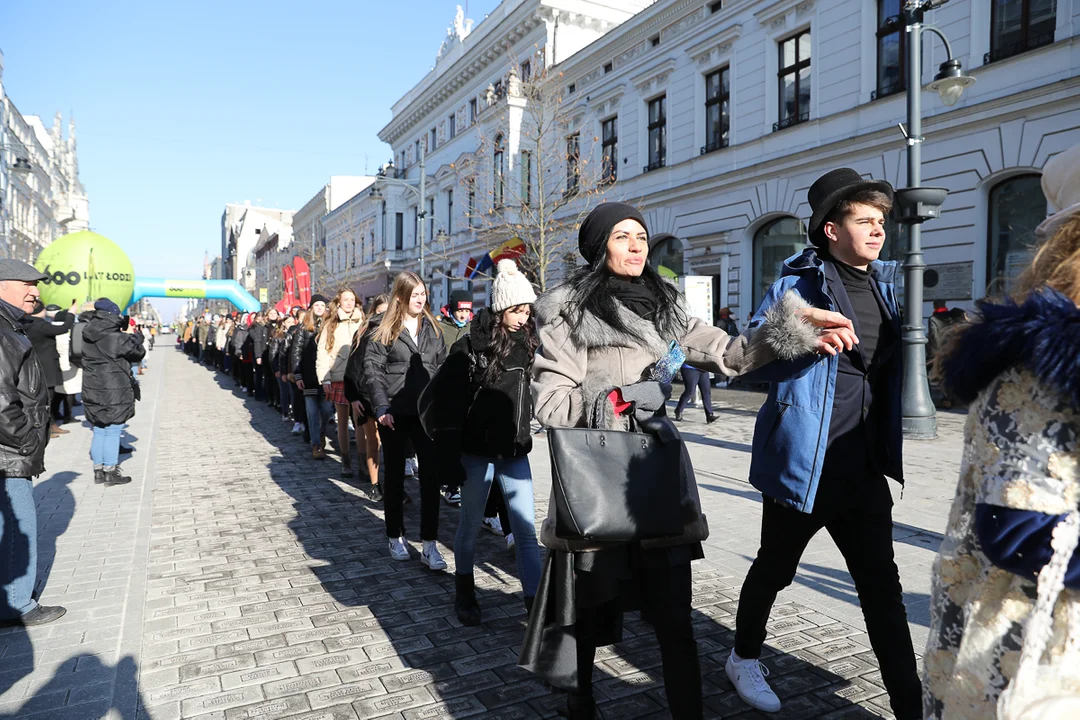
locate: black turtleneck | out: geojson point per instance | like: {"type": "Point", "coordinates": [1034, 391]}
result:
{"type": "Point", "coordinates": [868, 315]}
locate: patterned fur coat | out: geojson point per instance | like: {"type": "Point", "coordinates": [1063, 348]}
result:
{"type": "Point", "coordinates": [991, 627]}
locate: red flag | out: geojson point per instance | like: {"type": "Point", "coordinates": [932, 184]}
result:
{"type": "Point", "coordinates": [290, 289]}
{"type": "Point", "coordinates": [303, 280]}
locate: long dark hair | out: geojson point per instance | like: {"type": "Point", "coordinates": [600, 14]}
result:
{"type": "Point", "coordinates": [589, 294]}
{"type": "Point", "coordinates": [501, 345]}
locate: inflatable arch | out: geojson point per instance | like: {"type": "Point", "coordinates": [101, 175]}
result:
{"type": "Point", "coordinates": [209, 289]}
{"type": "Point", "coordinates": [85, 266]}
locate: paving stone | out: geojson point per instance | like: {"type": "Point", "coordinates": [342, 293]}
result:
{"type": "Point", "coordinates": [398, 702]}
{"type": "Point", "coordinates": [258, 675]}
{"type": "Point", "coordinates": [346, 692]}
{"type": "Point", "coordinates": [277, 708]}
{"type": "Point", "coordinates": [220, 702]}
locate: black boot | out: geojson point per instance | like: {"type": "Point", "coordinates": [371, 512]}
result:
{"type": "Point", "coordinates": [113, 477]}
{"type": "Point", "coordinates": [580, 707]}
{"type": "Point", "coordinates": [468, 612]}
{"type": "Point", "coordinates": [99, 475]}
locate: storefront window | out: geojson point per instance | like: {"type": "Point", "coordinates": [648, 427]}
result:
{"type": "Point", "coordinates": [774, 243]}
{"type": "Point", "coordinates": [1017, 206]}
{"type": "Point", "coordinates": [666, 257]}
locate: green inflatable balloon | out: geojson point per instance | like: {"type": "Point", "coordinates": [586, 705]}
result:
{"type": "Point", "coordinates": [85, 266]}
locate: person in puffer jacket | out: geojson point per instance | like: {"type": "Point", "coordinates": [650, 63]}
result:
{"type": "Point", "coordinates": [304, 354]}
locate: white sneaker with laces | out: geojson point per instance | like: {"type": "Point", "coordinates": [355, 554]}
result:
{"type": "Point", "coordinates": [398, 549]}
{"type": "Point", "coordinates": [510, 544]}
{"type": "Point", "coordinates": [431, 556]}
{"type": "Point", "coordinates": [493, 524]}
{"type": "Point", "coordinates": [748, 677]}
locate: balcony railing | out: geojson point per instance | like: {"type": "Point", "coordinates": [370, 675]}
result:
{"type": "Point", "coordinates": [714, 146]}
{"type": "Point", "coordinates": [654, 165]}
{"type": "Point", "coordinates": [790, 121]}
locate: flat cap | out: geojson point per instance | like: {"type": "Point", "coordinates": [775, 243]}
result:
{"type": "Point", "coordinates": [11, 269]}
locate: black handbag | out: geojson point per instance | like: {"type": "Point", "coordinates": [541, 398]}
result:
{"type": "Point", "coordinates": [611, 485]}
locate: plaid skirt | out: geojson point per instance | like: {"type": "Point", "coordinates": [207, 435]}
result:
{"type": "Point", "coordinates": [337, 394]}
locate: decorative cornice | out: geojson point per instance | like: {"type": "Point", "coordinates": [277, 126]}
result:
{"type": "Point", "coordinates": [654, 78]}
{"type": "Point", "coordinates": [716, 46]}
{"type": "Point", "coordinates": [606, 102]}
{"type": "Point", "coordinates": [775, 15]}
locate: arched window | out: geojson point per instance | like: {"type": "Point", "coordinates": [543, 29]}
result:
{"type": "Point", "coordinates": [666, 257]}
{"type": "Point", "coordinates": [1017, 206]}
{"type": "Point", "coordinates": [774, 243]}
{"type": "Point", "coordinates": [498, 181]}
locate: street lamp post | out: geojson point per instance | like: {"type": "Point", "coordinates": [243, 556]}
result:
{"type": "Point", "coordinates": [917, 204]}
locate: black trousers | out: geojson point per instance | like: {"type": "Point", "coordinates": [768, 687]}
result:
{"type": "Point", "coordinates": [666, 602]}
{"type": "Point", "coordinates": [408, 428]}
{"type": "Point", "coordinates": [694, 378]}
{"type": "Point", "coordinates": [865, 540]}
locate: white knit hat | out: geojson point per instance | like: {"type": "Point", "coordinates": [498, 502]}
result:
{"type": "Point", "coordinates": [510, 288]}
{"type": "Point", "coordinates": [1061, 185]}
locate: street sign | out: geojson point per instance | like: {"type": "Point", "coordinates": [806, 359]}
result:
{"type": "Point", "coordinates": [264, 295]}
{"type": "Point", "coordinates": [948, 281]}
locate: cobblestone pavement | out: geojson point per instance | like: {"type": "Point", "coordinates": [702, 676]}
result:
{"type": "Point", "coordinates": [235, 579]}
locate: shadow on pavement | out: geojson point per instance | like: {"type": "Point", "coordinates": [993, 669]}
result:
{"type": "Point", "coordinates": [55, 508]}
{"type": "Point", "coordinates": [88, 693]}
{"type": "Point", "coordinates": [397, 643]}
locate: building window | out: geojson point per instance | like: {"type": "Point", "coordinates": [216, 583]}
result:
{"type": "Point", "coordinates": [571, 88]}
{"type": "Point", "coordinates": [416, 151]}
{"type": "Point", "coordinates": [654, 40]}
{"type": "Point", "coordinates": [1017, 206]}
{"type": "Point", "coordinates": [608, 68]}
{"type": "Point", "coordinates": [526, 178]}
{"type": "Point", "coordinates": [1017, 26]}
{"type": "Point", "coordinates": [431, 217]}
{"type": "Point", "coordinates": [382, 228]}
{"type": "Point", "coordinates": [774, 243]}
{"type": "Point", "coordinates": [500, 89]}
{"type": "Point", "coordinates": [657, 133]}
{"type": "Point", "coordinates": [449, 211]}
{"type": "Point", "coordinates": [472, 112]}
{"type": "Point", "coordinates": [498, 179]}
{"type": "Point", "coordinates": [891, 50]}
{"type": "Point", "coordinates": [717, 110]}
{"type": "Point", "coordinates": [453, 126]}
{"type": "Point", "coordinates": [666, 257]}
{"type": "Point", "coordinates": [399, 231]}
{"type": "Point", "coordinates": [416, 226]}
{"type": "Point", "coordinates": [794, 77]}
{"type": "Point", "coordinates": [715, 7]}
{"type": "Point", "coordinates": [609, 140]}
{"type": "Point", "coordinates": [434, 139]}
{"type": "Point", "coordinates": [526, 71]}
{"type": "Point", "coordinates": [471, 184]}
{"type": "Point", "coordinates": [573, 164]}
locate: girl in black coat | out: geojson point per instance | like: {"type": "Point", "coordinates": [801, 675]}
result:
{"type": "Point", "coordinates": [304, 353]}
{"type": "Point", "coordinates": [108, 388]}
{"type": "Point", "coordinates": [402, 355]}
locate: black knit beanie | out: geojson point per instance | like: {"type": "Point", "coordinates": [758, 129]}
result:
{"type": "Point", "coordinates": [597, 227]}
{"type": "Point", "coordinates": [318, 298]}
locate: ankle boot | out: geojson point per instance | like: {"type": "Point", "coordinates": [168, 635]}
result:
{"type": "Point", "coordinates": [580, 707]}
{"type": "Point", "coordinates": [99, 475]}
{"type": "Point", "coordinates": [113, 477]}
{"type": "Point", "coordinates": [468, 612]}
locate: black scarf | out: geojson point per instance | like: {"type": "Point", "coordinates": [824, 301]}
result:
{"type": "Point", "coordinates": [633, 293]}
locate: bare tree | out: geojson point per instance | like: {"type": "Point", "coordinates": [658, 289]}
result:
{"type": "Point", "coordinates": [532, 177]}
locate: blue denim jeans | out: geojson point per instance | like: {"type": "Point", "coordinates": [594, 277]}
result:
{"type": "Point", "coordinates": [515, 478]}
{"type": "Point", "coordinates": [105, 446]}
{"type": "Point", "coordinates": [319, 410]}
{"type": "Point", "coordinates": [18, 547]}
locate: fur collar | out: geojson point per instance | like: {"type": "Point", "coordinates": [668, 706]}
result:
{"type": "Point", "coordinates": [593, 332]}
{"type": "Point", "coordinates": [1042, 334]}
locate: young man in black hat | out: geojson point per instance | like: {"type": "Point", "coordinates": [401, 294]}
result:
{"type": "Point", "coordinates": [827, 438]}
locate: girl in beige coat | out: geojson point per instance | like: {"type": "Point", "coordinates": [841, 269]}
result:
{"type": "Point", "coordinates": [615, 333]}
{"type": "Point", "coordinates": [344, 319]}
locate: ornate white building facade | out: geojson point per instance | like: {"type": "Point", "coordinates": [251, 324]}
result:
{"type": "Point", "coordinates": [41, 196]}
{"type": "Point", "coordinates": [716, 116]}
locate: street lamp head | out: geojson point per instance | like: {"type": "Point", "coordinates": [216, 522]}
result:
{"type": "Point", "coordinates": [950, 82]}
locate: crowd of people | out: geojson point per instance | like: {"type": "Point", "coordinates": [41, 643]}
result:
{"type": "Point", "coordinates": [52, 361]}
{"type": "Point", "coordinates": [452, 401]}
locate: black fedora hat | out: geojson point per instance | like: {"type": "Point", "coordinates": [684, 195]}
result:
{"type": "Point", "coordinates": [830, 189]}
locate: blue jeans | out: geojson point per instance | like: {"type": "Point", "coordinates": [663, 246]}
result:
{"type": "Point", "coordinates": [515, 477]}
{"type": "Point", "coordinates": [105, 447]}
{"type": "Point", "coordinates": [18, 547]}
{"type": "Point", "coordinates": [319, 410]}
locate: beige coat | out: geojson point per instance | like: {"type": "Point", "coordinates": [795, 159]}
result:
{"type": "Point", "coordinates": [574, 366]}
{"type": "Point", "coordinates": [330, 365]}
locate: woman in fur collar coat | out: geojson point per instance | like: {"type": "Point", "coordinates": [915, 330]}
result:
{"type": "Point", "coordinates": [613, 336]}
{"type": "Point", "coordinates": [1005, 600]}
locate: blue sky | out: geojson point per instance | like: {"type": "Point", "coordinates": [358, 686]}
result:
{"type": "Point", "coordinates": [182, 107]}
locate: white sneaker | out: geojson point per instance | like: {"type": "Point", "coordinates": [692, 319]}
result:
{"type": "Point", "coordinates": [297, 428]}
{"type": "Point", "coordinates": [411, 467]}
{"type": "Point", "coordinates": [748, 677]}
{"type": "Point", "coordinates": [398, 549]}
{"type": "Point", "coordinates": [510, 544]}
{"type": "Point", "coordinates": [493, 524]}
{"type": "Point", "coordinates": [431, 556]}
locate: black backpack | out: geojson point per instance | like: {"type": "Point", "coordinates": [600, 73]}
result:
{"type": "Point", "coordinates": [75, 349]}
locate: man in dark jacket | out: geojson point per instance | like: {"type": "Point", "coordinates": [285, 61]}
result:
{"type": "Point", "coordinates": [110, 347]}
{"type": "Point", "coordinates": [259, 337]}
{"type": "Point", "coordinates": [24, 433]}
{"type": "Point", "coordinates": [43, 333]}
{"type": "Point", "coordinates": [454, 321]}
{"type": "Point", "coordinates": [828, 436]}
